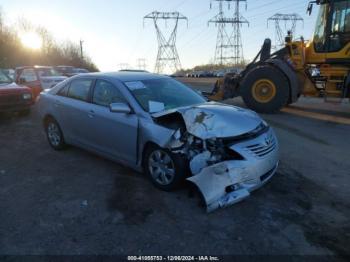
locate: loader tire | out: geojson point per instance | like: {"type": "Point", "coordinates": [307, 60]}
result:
{"type": "Point", "coordinates": [265, 89]}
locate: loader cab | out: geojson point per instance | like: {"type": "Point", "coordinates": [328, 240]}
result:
{"type": "Point", "coordinates": [332, 32]}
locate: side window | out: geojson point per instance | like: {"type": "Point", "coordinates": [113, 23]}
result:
{"type": "Point", "coordinates": [106, 93]}
{"type": "Point", "coordinates": [341, 17]}
{"type": "Point", "coordinates": [29, 75]}
{"type": "Point", "coordinates": [340, 27]}
{"type": "Point", "coordinates": [79, 89]}
{"type": "Point", "coordinates": [63, 90]}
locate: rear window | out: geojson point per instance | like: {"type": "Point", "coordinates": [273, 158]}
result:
{"type": "Point", "coordinates": [79, 89]}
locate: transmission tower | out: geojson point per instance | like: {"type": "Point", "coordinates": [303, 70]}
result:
{"type": "Point", "coordinates": [141, 64]}
{"type": "Point", "coordinates": [229, 50]}
{"type": "Point", "coordinates": [123, 66]}
{"type": "Point", "coordinates": [167, 56]}
{"type": "Point", "coordinates": [290, 22]}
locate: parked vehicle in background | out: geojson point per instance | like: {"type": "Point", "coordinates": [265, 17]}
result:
{"type": "Point", "coordinates": [191, 74]}
{"type": "Point", "coordinates": [14, 97]}
{"type": "Point", "coordinates": [220, 73]}
{"type": "Point", "coordinates": [38, 78]}
{"type": "Point", "coordinates": [81, 71]}
{"type": "Point", "coordinates": [209, 74]}
{"type": "Point", "coordinates": [9, 72]}
{"type": "Point", "coordinates": [200, 74]}
{"type": "Point", "coordinates": [178, 74]}
{"type": "Point", "coordinates": [67, 71]}
{"type": "Point", "coordinates": [157, 124]}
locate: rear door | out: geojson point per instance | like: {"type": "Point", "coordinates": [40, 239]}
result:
{"type": "Point", "coordinates": [112, 133]}
{"type": "Point", "coordinates": [75, 109]}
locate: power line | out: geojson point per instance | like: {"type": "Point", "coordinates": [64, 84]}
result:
{"type": "Point", "coordinates": [271, 11]}
{"type": "Point", "coordinates": [167, 56]}
{"type": "Point", "coordinates": [141, 64]}
{"type": "Point", "coordinates": [123, 66]}
{"type": "Point", "coordinates": [290, 19]}
{"type": "Point", "coordinates": [229, 49]}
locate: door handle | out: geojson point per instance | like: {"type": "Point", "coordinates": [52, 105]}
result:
{"type": "Point", "coordinates": [91, 113]}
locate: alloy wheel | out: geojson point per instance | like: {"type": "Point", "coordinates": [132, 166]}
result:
{"type": "Point", "coordinates": [161, 167]}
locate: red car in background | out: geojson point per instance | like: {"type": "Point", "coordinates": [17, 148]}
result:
{"type": "Point", "coordinates": [14, 98]}
{"type": "Point", "coordinates": [38, 78]}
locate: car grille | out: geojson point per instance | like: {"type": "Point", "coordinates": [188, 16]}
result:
{"type": "Point", "coordinates": [263, 149]}
{"type": "Point", "coordinates": [10, 99]}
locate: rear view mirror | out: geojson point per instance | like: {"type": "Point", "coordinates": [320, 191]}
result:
{"type": "Point", "coordinates": [120, 108]}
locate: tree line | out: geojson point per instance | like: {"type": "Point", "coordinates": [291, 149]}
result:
{"type": "Point", "coordinates": [13, 53]}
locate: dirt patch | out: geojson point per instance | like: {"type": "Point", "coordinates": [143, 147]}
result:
{"type": "Point", "coordinates": [132, 199]}
{"type": "Point", "coordinates": [309, 206]}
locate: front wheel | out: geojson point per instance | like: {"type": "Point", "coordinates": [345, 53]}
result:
{"type": "Point", "coordinates": [165, 169]}
{"type": "Point", "coordinates": [265, 89]}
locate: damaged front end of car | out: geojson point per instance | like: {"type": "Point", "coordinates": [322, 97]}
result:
{"type": "Point", "coordinates": [230, 151]}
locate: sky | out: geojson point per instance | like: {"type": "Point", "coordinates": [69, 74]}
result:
{"type": "Point", "coordinates": [114, 32]}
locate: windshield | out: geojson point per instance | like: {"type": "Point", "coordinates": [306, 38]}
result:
{"type": "Point", "coordinates": [162, 94]}
{"type": "Point", "coordinates": [319, 35]}
{"type": "Point", "coordinates": [47, 72]}
{"type": "Point", "coordinates": [4, 79]}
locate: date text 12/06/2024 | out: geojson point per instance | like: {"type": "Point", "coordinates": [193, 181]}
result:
{"type": "Point", "coordinates": [173, 258]}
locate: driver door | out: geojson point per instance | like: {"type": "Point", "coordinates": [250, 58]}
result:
{"type": "Point", "coordinates": [111, 133]}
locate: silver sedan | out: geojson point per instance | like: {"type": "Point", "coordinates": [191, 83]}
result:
{"type": "Point", "coordinates": [157, 125]}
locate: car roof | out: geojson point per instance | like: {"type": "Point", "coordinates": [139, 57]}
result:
{"type": "Point", "coordinates": [127, 76]}
{"type": "Point", "coordinates": [61, 66]}
{"type": "Point", "coordinates": [134, 70]}
{"type": "Point", "coordinates": [36, 66]}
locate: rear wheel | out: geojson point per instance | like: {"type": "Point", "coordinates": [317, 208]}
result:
{"type": "Point", "coordinates": [265, 89]}
{"type": "Point", "coordinates": [54, 134]}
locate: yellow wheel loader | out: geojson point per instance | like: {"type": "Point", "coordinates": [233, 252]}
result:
{"type": "Point", "coordinates": [320, 67]}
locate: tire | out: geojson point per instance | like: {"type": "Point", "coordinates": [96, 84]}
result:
{"type": "Point", "coordinates": [155, 167]}
{"type": "Point", "coordinates": [54, 134]}
{"type": "Point", "coordinates": [255, 84]}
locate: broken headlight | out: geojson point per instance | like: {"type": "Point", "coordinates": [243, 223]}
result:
{"type": "Point", "coordinates": [222, 150]}
{"type": "Point", "coordinates": [264, 123]}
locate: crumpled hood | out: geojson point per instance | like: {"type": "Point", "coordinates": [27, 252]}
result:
{"type": "Point", "coordinates": [217, 120]}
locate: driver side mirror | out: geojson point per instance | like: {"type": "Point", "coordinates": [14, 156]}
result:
{"type": "Point", "coordinates": [199, 92]}
{"type": "Point", "coordinates": [120, 108]}
{"type": "Point", "coordinates": [310, 6]}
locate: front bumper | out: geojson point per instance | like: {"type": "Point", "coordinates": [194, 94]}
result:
{"type": "Point", "coordinates": [229, 182]}
{"type": "Point", "coordinates": [15, 107]}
